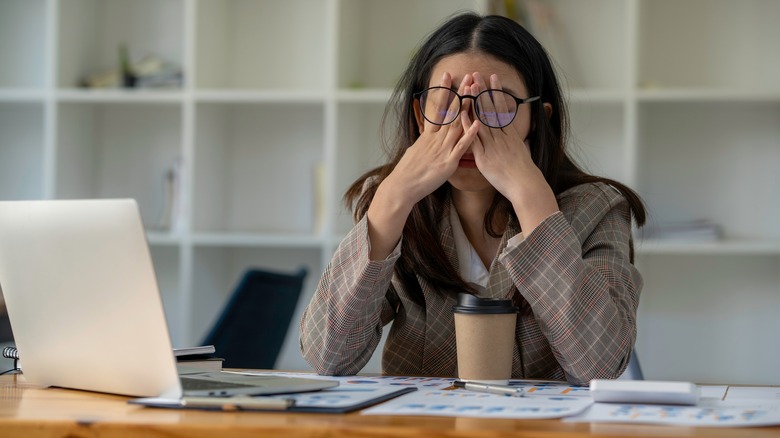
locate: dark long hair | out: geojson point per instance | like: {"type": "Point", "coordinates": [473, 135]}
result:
{"type": "Point", "coordinates": [505, 40]}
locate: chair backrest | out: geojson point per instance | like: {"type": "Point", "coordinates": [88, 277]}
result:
{"type": "Point", "coordinates": [250, 331]}
{"type": "Point", "coordinates": [634, 368]}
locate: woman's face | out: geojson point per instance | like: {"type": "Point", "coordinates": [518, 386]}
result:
{"type": "Point", "coordinates": [467, 177]}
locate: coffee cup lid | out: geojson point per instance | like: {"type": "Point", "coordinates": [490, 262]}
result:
{"type": "Point", "coordinates": [468, 303]}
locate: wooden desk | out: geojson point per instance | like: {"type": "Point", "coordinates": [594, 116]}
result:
{"type": "Point", "coordinates": [31, 411]}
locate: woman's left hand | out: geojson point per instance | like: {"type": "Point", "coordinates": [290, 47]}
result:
{"type": "Point", "coordinates": [503, 156]}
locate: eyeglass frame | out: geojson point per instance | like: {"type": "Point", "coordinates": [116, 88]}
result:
{"type": "Point", "coordinates": [518, 101]}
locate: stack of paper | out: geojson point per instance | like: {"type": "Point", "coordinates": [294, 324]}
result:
{"type": "Point", "coordinates": [719, 406]}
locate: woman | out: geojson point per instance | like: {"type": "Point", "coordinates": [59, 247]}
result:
{"type": "Point", "coordinates": [480, 196]}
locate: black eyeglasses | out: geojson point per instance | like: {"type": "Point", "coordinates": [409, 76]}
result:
{"type": "Point", "coordinates": [494, 108]}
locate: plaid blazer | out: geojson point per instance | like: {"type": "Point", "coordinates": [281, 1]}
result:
{"type": "Point", "coordinates": [572, 278]}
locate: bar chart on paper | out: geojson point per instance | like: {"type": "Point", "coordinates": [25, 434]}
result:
{"type": "Point", "coordinates": [464, 403]}
{"type": "Point", "coordinates": [541, 400]}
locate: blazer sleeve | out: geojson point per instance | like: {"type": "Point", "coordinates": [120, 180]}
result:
{"type": "Point", "coordinates": [342, 325]}
{"type": "Point", "coordinates": [575, 272]}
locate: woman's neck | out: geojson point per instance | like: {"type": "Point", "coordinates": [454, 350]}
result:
{"type": "Point", "coordinates": [471, 208]}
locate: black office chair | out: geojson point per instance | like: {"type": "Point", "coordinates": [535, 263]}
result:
{"type": "Point", "coordinates": [253, 324]}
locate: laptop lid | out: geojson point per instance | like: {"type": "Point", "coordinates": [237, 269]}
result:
{"type": "Point", "coordinates": [85, 308]}
{"type": "Point", "coordinates": [82, 297]}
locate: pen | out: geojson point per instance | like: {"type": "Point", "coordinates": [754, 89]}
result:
{"type": "Point", "coordinates": [490, 388]}
{"type": "Point", "coordinates": [239, 402]}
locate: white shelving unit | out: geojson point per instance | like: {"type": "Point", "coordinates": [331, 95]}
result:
{"type": "Point", "coordinates": [680, 99]}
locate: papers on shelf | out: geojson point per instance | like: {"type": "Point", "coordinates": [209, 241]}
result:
{"type": "Point", "coordinates": [700, 230]}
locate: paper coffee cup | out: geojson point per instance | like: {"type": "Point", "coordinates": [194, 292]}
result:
{"type": "Point", "coordinates": [485, 334]}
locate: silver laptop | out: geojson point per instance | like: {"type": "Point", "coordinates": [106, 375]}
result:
{"type": "Point", "coordinates": [85, 308]}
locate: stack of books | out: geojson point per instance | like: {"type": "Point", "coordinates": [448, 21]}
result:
{"type": "Point", "coordinates": [198, 357]}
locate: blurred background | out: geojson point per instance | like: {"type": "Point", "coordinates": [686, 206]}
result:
{"type": "Point", "coordinates": [238, 124]}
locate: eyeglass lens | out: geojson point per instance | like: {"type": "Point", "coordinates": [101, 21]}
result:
{"type": "Point", "coordinates": [494, 108]}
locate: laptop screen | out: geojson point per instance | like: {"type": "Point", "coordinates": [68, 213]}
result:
{"type": "Point", "coordinates": [83, 299]}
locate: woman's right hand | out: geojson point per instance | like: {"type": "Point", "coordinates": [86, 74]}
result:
{"type": "Point", "coordinates": [424, 167]}
{"type": "Point", "coordinates": [434, 156]}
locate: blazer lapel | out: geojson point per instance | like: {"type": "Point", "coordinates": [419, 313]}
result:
{"type": "Point", "coordinates": [439, 353]}
{"type": "Point", "coordinates": [500, 283]}
{"type": "Point", "coordinates": [447, 237]}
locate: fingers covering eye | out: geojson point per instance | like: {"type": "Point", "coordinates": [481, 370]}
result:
{"type": "Point", "coordinates": [440, 105]}
{"type": "Point", "coordinates": [496, 108]}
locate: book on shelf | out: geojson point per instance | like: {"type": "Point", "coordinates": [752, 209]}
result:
{"type": "Point", "coordinates": [201, 357]}
{"type": "Point", "coordinates": [318, 177]}
{"type": "Point", "coordinates": [171, 215]}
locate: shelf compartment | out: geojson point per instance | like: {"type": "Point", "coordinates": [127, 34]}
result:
{"type": "Point", "coordinates": [217, 270]}
{"type": "Point", "coordinates": [22, 151]}
{"type": "Point", "coordinates": [167, 261]}
{"type": "Point", "coordinates": [255, 167]}
{"type": "Point", "coordinates": [729, 49]}
{"type": "Point", "coordinates": [108, 150]}
{"type": "Point", "coordinates": [694, 163]}
{"type": "Point", "coordinates": [597, 139]}
{"type": "Point", "coordinates": [93, 30]}
{"type": "Point", "coordinates": [588, 54]}
{"type": "Point", "coordinates": [359, 150]}
{"type": "Point", "coordinates": [699, 311]}
{"type": "Point", "coordinates": [251, 44]}
{"type": "Point", "coordinates": [372, 51]}
{"type": "Point", "coordinates": [23, 36]}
